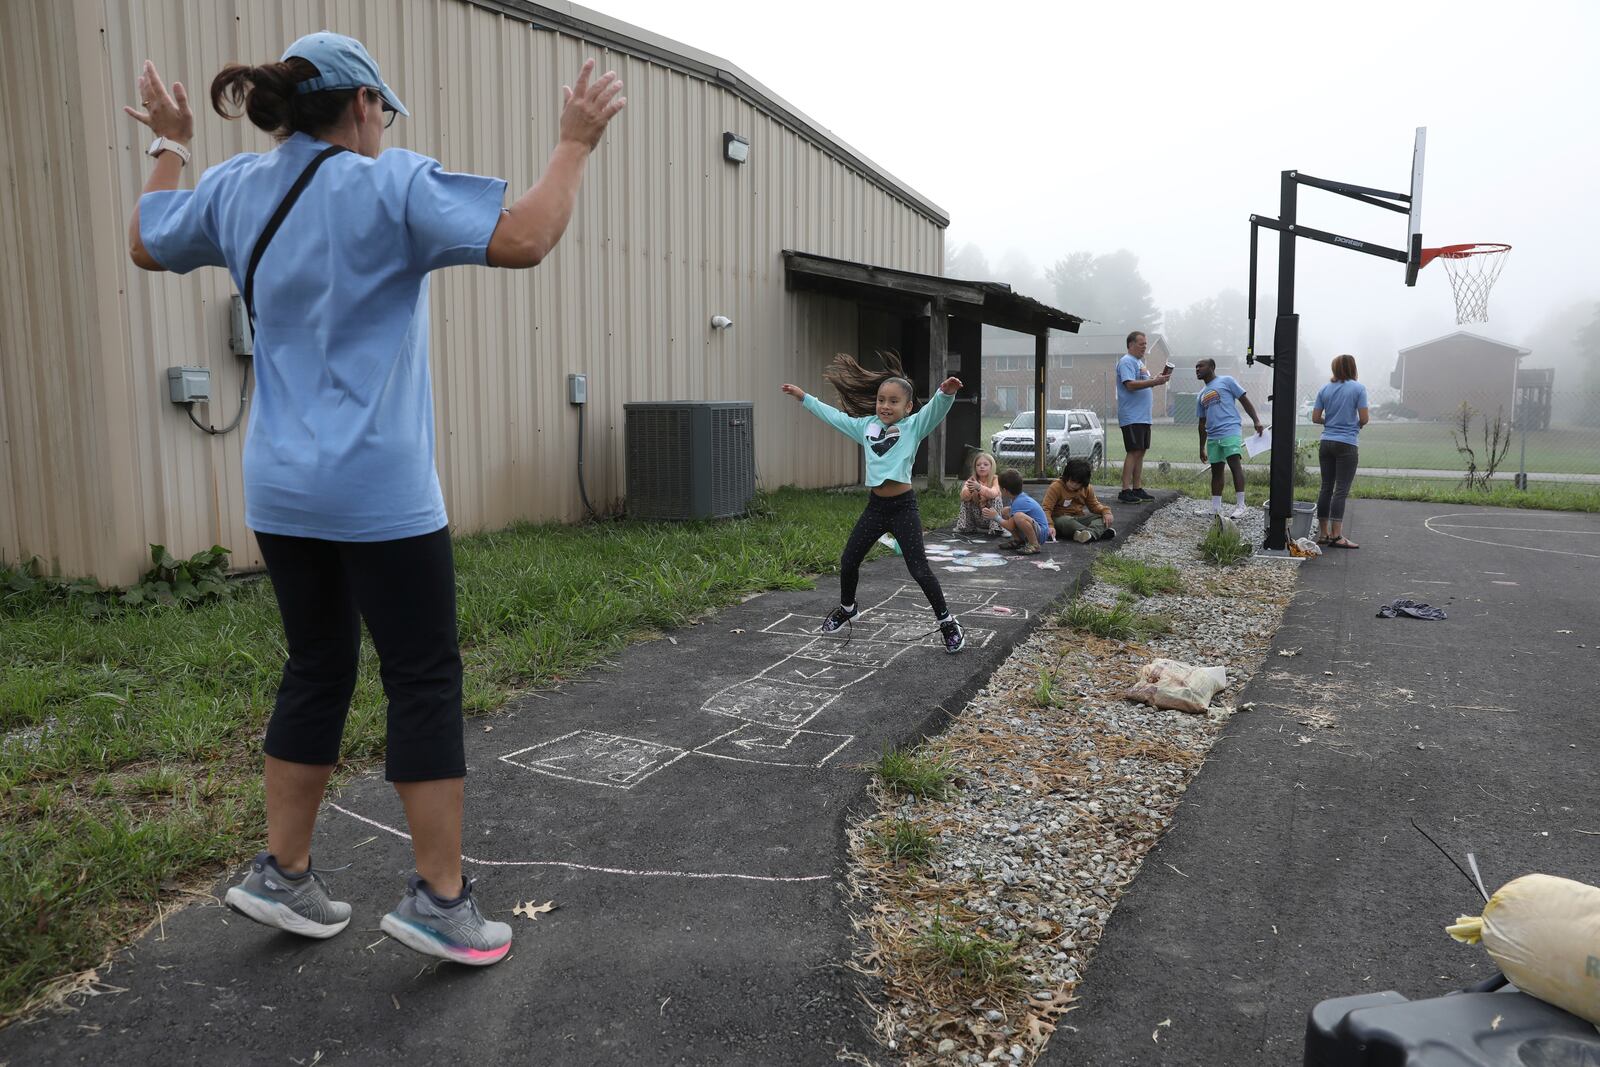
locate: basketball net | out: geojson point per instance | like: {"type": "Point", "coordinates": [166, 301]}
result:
{"type": "Point", "coordinates": [1472, 270]}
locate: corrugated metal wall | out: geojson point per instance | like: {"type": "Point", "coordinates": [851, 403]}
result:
{"type": "Point", "coordinates": [667, 234]}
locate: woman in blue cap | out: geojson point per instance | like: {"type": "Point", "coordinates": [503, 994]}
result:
{"type": "Point", "coordinates": [331, 240]}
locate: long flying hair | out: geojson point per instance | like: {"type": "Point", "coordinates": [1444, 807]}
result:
{"type": "Point", "coordinates": [858, 386]}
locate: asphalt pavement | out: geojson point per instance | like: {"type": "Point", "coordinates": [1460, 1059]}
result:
{"type": "Point", "coordinates": [685, 810]}
{"type": "Point", "coordinates": [1292, 872]}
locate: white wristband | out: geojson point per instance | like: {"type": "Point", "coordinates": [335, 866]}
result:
{"type": "Point", "coordinates": [164, 144]}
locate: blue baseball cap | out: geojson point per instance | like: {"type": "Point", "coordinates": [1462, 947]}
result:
{"type": "Point", "coordinates": [343, 63]}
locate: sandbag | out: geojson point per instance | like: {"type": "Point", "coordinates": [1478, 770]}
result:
{"type": "Point", "coordinates": [1166, 683]}
{"type": "Point", "coordinates": [1544, 934]}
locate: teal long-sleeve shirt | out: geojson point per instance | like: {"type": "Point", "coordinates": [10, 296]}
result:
{"type": "Point", "coordinates": [890, 450]}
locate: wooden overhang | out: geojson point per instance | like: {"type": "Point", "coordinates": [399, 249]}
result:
{"type": "Point", "coordinates": [937, 298]}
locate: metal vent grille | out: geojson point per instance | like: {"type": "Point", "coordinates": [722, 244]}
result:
{"type": "Point", "coordinates": [658, 440]}
{"type": "Point", "coordinates": [690, 460]}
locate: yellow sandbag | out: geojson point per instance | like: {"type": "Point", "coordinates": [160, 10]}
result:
{"type": "Point", "coordinates": [1544, 933]}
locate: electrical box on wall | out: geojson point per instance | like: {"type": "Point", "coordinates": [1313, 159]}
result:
{"type": "Point", "coordinates": [189, 385]}
{"type": "Point", "coordinates": [241, 338]}
{"type": "Point", "coordinates": [577, 388]}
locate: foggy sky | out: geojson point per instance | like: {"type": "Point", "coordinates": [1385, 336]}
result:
{"type": "Point", "coordinates": [1045, 128]}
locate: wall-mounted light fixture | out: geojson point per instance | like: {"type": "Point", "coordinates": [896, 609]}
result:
{"type": "Point", "coordinates": [721, 322]}
{"type": "Point", "coordinates": [735, 149]}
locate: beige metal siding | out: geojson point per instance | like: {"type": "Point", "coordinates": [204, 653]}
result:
{"type": "Point", "coordinates": [666, 235]}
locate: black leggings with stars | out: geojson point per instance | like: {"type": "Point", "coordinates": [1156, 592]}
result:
{"type": "Point", "coordinates": [897, 515]}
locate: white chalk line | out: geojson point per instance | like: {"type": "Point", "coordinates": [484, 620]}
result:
{"type": "Point", "coordinates": [1428, 524]}
{"type": "Point", "coordinates": [593, 869]}
{"type": "Point", "coordinates": [1515, 529]}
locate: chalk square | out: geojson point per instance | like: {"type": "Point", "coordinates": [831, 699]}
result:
{"type": "Point", "coordinates": [776, 703]}
{"type": "Point", "coordinates": [758, 743]}
{"type": "Point", "coordinates": [596, 758]}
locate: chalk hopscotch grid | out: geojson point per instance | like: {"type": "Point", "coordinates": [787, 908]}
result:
{"type": "Point", "coordinates": [595, 737]}
{"type": "Point", "coordinates": [844, 742]}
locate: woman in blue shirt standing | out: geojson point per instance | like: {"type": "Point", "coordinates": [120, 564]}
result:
{"type": "Point", "coordinates": [340, 484]}
{"type": "Point", "coordinates": [1341, 411]}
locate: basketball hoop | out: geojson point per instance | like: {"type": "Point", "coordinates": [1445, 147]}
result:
{"type": "Point", "coordinates": [1472, 269]}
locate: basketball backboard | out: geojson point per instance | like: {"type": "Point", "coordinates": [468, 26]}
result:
{"type": "Point", "coordinates": [1414, 234]}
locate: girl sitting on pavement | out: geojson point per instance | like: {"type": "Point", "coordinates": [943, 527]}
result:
{"type": "Point", "coordinates": [1073, 508]}
{"type": "Point", "coordinates": [1021, 516]}
{"type": "Point", "coordinates": [882, 423]}
{"type": "Point", "coordinates": [980, 491]}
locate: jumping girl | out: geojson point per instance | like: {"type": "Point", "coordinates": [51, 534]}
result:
{"type": "Point", "coordinates": [887, 431]}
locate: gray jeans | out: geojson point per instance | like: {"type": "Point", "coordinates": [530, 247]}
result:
{"type": "Point", "coordinates": [1338, 471]}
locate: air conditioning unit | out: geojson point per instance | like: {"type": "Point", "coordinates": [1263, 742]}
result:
{"type": "Point", "coordinates": [689, 459]}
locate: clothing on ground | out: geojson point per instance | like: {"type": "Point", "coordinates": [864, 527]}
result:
{"type": "Point", "coordinates": [1024, 504]}
{"type": "Point", "coordinates": [1059, 501]}
{"type": "Point", "coordinates": [889, 450]}
{"type": "Point", "coordinates": [1341, 403]}
{"type": "Point", "coordinates": [1411, 609]}
{"type": "Point", "coordinates": [324, 590]}
{"type": "Point", "coordinates": [1217, 405]}
{"type": "Point", "coordinates": [1338, 461]}
{"type": "Point", "coordinates": [900, 516]}
{"type": "Point", "coordinates": [1133, 405]}
{"type": "Point", "coordinates": [340, 444]}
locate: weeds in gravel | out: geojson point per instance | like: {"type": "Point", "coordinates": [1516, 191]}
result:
{"type": "Point", "coordinates": [1138, 577]}
{"type": "Point", "coordinates": [918, 774]}
{"type": "Point", "coordinates": [1118, 622]}
{"type": "Point", "coordinates": [1224, 545]}
{"type": "Point", "coordinates": [903, 841]}
{"type": "Point", "coordinates": [1044, 694]}
{"type": "Point", "coordinates": [973, 957]}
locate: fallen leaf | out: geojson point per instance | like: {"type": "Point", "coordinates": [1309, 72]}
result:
{"type": "Point", "coordinates": [736, 631]}
{"type": "Point", "coordinates": [1288, 651]}
{"type": "Point", "coordinates": [532, 911]}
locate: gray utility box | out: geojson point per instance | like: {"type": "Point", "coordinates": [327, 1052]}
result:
{"type": "Point", "coordinates": [690, 459]}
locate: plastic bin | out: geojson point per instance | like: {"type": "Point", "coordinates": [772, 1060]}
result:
{"type": "Point", "coordinates": [1305, 513]}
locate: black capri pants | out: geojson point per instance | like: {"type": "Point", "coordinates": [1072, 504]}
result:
{"type": "Point", "coordinates": [898, 515]}
{"type": "Point", "coordinates": [1338, 471]}
{"type": "Point", "coordinates": [406, 591]}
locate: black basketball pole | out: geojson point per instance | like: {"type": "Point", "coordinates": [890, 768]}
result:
{"type": "Point", "coordinates": [1285, 347]}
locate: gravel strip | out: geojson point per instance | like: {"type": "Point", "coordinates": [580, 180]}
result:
{"type": "Point", "coordinates": [1055, 806]}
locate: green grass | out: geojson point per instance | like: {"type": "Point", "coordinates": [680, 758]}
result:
{"type": "Point", "coordinates": [1402, 445]}
{"type": "Point", "coordinates": [1224, 545]}
{"type": "Point", "coordinates": [130, 736]}
{"type": "Point", "coordinates": [1545, 496]}
{"type": "Point", "coordinates": [1136, 576]}
{"type": "Point", "coordinates": [1044, 694]}
{"type": "Point", "coordinates": [1118, 622]}
{"type": "Point", "coordinates": [975, 958]}
{"type": "Point", "coordinates": [903, 841]}
{"type": "Point", "coordinates": [908, 772]}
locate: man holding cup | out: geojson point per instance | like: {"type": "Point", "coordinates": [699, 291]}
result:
{"type": "Point", "coordinates": [1135, 403]}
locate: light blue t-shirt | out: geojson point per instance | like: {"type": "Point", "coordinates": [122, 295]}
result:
{"type": "Point", "coordinates": [1030, 507]}
{"type": "Point", "coordinates": [340, 442]}
{"type": "Point", "coordinates": [1134, 406]}
{"type": "Point", "coordinates": [1218, 405]}
{"type": "Point", "coordinates": [890, 450]}
{"type": "Point", "coordinates": [1340, 402]}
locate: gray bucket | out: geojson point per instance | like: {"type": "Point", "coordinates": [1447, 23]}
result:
{"type": "Point", "coordinates": [1305, 513]}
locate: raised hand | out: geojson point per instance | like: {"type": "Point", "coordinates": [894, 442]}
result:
{"type": "Point", "coordinates": [166, 113]}
{"type": "Point", "coordinates": [795, 391]}
{"type": "Point", "coordinates": [950, 385]}
{"type": "Point", "coordinates": [586, 109]}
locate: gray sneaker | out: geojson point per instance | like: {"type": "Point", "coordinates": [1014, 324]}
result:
{"type": "Point", "coordinates": [456, 932]}
{"type": "Point", "coordinates": [299, 905]}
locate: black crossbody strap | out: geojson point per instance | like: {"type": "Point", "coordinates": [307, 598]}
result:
{"type": "Point", "coordinates": [277, 220]}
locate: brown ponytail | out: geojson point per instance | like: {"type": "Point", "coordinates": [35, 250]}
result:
{"type": "Point", "coordinates": [858, 386]}
{"type": "Point", "coordinates": [268, 97]}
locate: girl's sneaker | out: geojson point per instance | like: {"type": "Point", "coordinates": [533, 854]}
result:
{"type": "Point", "coordinates": [838, 617]}
{"type": "Point", "coordinates": [954, 639]}
{"type": "Point", "coordinates": [300, 905]}
{"type": "Point", "coordinates": [456, 931]}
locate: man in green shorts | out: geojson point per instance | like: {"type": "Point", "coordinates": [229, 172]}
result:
{"type": "Point", "coordinates": [1217, 410]}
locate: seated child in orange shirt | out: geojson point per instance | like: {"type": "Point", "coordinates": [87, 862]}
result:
{"type": "Point", "coordinates": [1073, 509]}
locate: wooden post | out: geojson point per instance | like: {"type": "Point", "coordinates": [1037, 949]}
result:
{"type": "Point", "coordinates": [938, 371]}
{"type": "Point", "coordinates": [1041, 357]}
